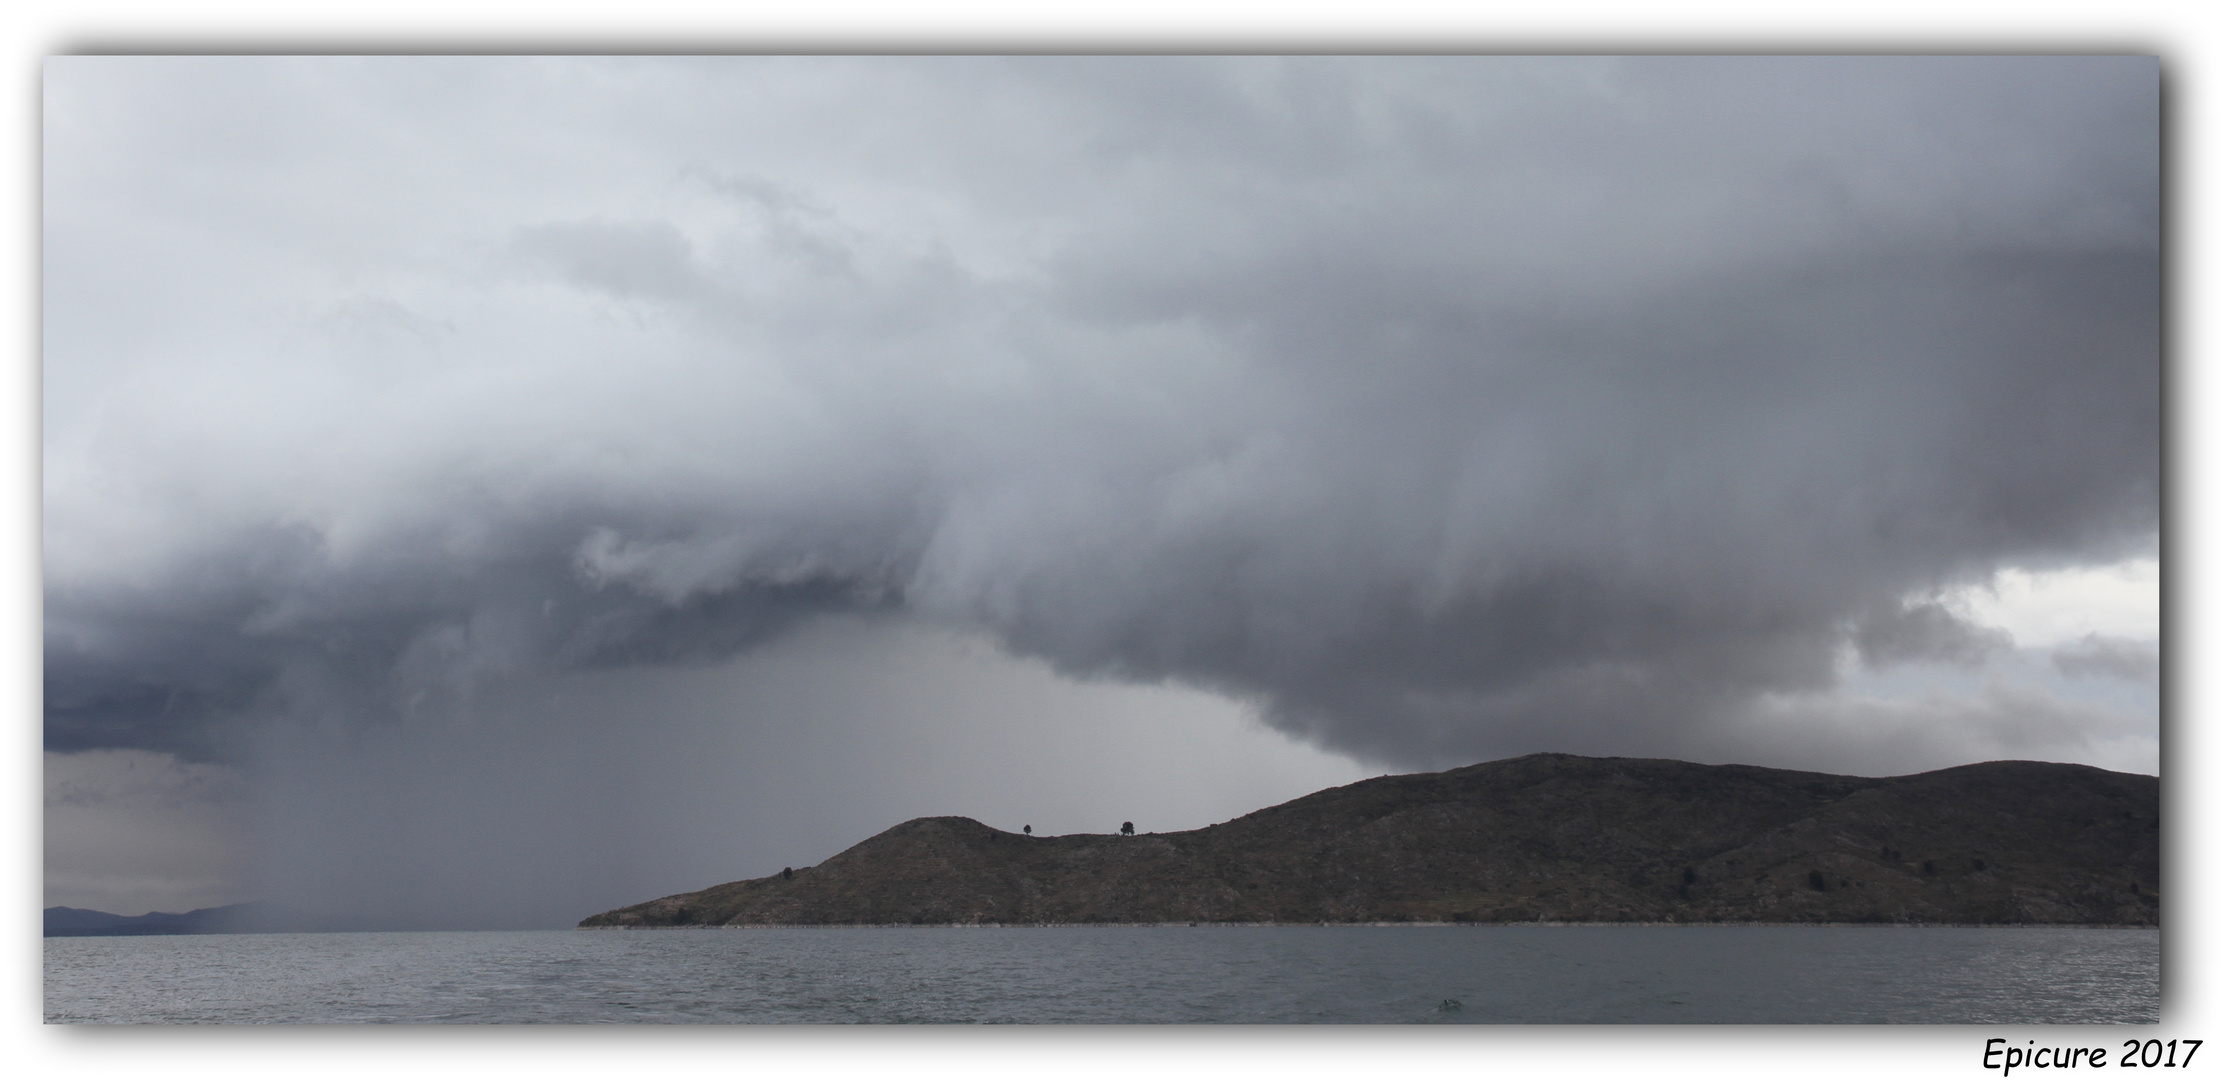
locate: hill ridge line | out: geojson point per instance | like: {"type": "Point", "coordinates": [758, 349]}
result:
{"type": "Point", "coordinates": [1543, 838]}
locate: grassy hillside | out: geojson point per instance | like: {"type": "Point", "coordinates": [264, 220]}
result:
{"type": "Point", "coordinates": [1545, 837]}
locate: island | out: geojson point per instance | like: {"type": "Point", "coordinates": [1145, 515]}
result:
{"type": "Point", "coordinates": [1541, 838]}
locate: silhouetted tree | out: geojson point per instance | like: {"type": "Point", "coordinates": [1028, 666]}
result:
{"type": "Point", "coordinates": [1817, 881]}
{"type": "Point", "coordinates": [787, 873]}
{"type": "Point", "coordinates": [1026, 831]}
{"type": "Point", "coordinates": [1128, 828]}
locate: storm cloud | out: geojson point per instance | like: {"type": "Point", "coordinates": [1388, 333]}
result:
{"type": "Point", "coordinates": [1443, 408]}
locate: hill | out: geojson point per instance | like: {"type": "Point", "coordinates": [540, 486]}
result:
{"type": "Point", "coordinates": [85, 922]}
{"type": "Point", "coordinates": [1547, 837]}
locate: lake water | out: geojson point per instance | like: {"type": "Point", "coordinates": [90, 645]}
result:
{"type": "Point", "coordinates": [1117, 975]}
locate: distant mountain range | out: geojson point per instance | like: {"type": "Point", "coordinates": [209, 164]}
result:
{"type": "Point", "coordinates": [1549, 837]}
{"type": "Point", "coordinates": [82, 922]}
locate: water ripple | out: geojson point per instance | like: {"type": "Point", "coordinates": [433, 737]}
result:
{"type": "Point", "coordinates": [1117, 975]}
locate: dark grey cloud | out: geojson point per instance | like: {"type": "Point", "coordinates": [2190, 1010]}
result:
{"type": "Point", "coordinates": [1446, 407]}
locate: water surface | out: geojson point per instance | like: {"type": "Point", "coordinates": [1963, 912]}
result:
{"type": "Point", "coordinates": [1118, 975]}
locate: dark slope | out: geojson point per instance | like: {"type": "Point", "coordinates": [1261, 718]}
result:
{"type": "Point", "coordinates": [1549, 837]}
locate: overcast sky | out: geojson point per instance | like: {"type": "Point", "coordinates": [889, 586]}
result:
{"type": "Point", "coordinates": [482, 492]}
